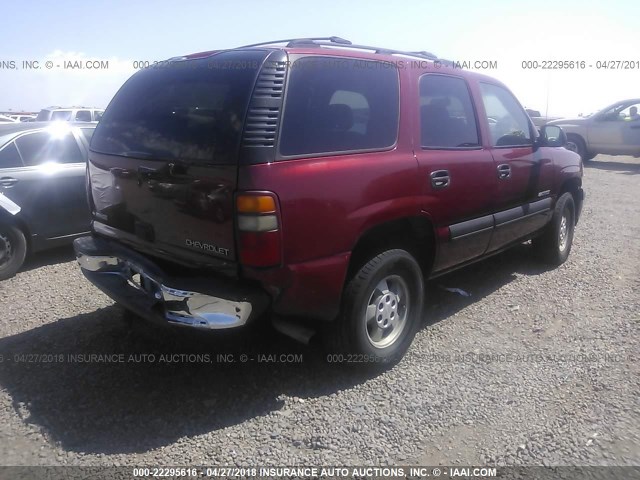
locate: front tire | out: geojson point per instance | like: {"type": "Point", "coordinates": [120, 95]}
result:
{"type": "Point", "coordinates": [13, 250]}
{"type": "Point", "coordinates": [382, 309]}
{"type": "Point", "coordinates": [554, 245]}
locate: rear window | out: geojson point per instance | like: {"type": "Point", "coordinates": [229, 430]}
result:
{"type": "Point", "coordinates": [339, 104]}
{"type": "Point", "coordinates": [190, 110]}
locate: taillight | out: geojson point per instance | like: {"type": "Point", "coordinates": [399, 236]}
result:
{"type": "Point", "coordinates": [259, 241]}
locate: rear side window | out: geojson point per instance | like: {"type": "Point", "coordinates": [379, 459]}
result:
{"type": "Point", "coordinates": [64, 115]}
{"type": "Point", "coordinates": [190, 110]}
{"type": "Point", "coordinates": [508, 123]}
{"type": "Point", "coordinates": [42, 147]}
{"type": "Point", "coordinates": [9, 157]}
{"type": "Point", "coordinates": [97, 115]}
{"type": "Point", "coordinates": [339, 104]}
{"type": "Point", "coordinates": [83, 116]}
{"type": "Point", "coordinates": [447, 118]}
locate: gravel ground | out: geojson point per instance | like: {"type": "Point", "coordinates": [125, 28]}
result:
{"type": "Point", "coordinates": [537, 367]}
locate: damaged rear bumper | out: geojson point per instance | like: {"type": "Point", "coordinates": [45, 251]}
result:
{"type": "Point", "coordinates": [140, 285]}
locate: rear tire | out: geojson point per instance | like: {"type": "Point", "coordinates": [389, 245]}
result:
{"type": "Point", "coordinates": [13, 250]}
{"type": "Point", "coordinates": [554, 245]}
{"type": "Point", "coordinates": [381, 312]}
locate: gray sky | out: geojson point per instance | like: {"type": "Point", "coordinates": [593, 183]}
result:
{"type": "Point", "coordinates": [506, 32]}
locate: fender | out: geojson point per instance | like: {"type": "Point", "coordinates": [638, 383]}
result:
{"type": "Point", "coordinates": [8, 205]}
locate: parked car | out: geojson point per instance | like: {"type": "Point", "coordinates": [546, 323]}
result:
{"type": "Point", "coordinates": [23, 118]}
{"type": "Point", "coordinates": [614, 130]}
{"type": "Point", "coordinates": [71, 114]}
{"type": "Point", "coordinates": [537, 118]}
{"type": "Point", "coordinates": [5, 119]}
{"type": "Point", "coordinates": [339, 181]}
{"type": "Point", "coordinates": [43, 200]}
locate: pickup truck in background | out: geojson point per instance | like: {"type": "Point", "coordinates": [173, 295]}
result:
{"type": "Point", "coordinates": [614, 130]}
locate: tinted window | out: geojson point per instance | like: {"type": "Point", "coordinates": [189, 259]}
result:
{"type": "Point", "coordinates": [9, 157]}
{"type": "Point", "coordinates": [359, 106]}
{"type": "Point", "coordinates": [338, 104]}
{"type": "Point", "coordinates": [42, 147]}
{"type": "Point", "coordinates": [447, 118]}
{"type": "Point", "coordinates": [64, 115]}
{"type": "Point", "coordinates": [83, 116]}
{"type": "Point", "coordinates": [98, 115]}
{"type": "Point", "coordinates": [193, 110]}
{"type": "Point", "coordinates": [508, 123]}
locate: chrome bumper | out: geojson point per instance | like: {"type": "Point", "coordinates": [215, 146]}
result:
{"type": "Point", "coordinates": [140, 286]}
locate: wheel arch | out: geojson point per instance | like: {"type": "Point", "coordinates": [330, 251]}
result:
{"type": "Point", "coordinates": [18, 221]}
{"type": "Point", "coordinates": [574, 187]}
{"type": "Point", "coordinates": [416, 234]}
{"type": "Point", "coordinates": [576, 136]}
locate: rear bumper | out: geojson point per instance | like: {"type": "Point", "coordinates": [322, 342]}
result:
{"type": "Point", "coordinates": [139, 285]}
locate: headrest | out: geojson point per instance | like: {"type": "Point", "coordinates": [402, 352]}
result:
{"type": "Point", "coordinates": [338, 116]}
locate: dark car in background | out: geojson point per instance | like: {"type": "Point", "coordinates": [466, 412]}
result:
{"type": "Point", "coordinates": [43, 200]}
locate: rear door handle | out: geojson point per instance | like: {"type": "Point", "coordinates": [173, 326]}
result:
{"type": "Point", "coordinates": [8, 181]}
{"type": "Point", "coordinates": [504, 171]}
{"type": "Point", "coordinates": [440, 179]}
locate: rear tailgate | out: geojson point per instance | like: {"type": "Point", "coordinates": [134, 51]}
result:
{"type": "Point", "coordinates": [163, 164]}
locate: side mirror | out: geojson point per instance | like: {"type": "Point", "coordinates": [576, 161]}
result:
{"type": "Point", "coordinates": [552, 136]}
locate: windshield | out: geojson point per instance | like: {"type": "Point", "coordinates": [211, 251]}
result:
{"type": "Point", "coordinates": [188, 110]}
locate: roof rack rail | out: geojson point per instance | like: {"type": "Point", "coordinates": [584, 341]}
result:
{"type": "Point", "coordinates": [336, 40]}
{"type": "Point", "coordinates": [385, 51]}
{"type": "Point", "coordinates": [342, 43]}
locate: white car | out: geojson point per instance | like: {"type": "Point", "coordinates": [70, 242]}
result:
{"type": "Point", "coordinates": [5, 119]}
{"type": "Point", "coordinates": [70, 114]}
{"type": "Point", "coordinates": [23, 118]}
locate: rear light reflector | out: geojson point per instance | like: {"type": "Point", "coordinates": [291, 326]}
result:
{"type": "Point", "coordinates": [260, 249]}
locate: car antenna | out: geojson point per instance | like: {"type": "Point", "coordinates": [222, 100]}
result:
{"type": "Point", "coordinates": [546, 112]}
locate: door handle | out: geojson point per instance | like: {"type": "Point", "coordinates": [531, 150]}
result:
{"type": "Point", "coordinates": [504, 171]}
{"type": "Point", "coordinates": [440, 179]}
{"type": "Point", "coordinates": [8, 181]}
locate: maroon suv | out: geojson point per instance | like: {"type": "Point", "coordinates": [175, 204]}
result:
{"type": "Point", "coordinates": [315, 180]}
